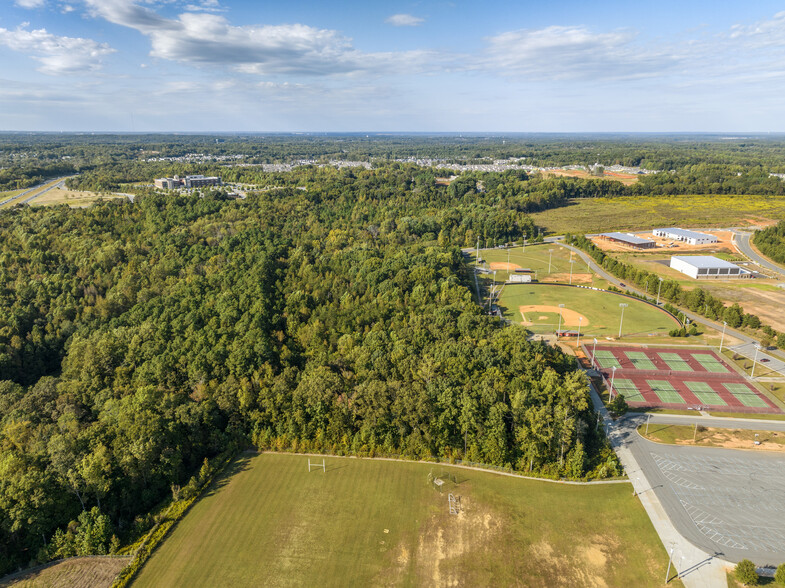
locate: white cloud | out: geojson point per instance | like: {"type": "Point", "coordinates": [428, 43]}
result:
{"type": "Point", "coordinates": [562, 52]}
{"type": "Point", "coordinates": [30, 3]}
{"type": "Point", "coordinates": [404, 20]}
{"type": "Point", "coordinates": [57, 55]}
{"type": "Point", "coordinates": [291, 49]}
{"type": "Point", "coordinates": [206, 6]}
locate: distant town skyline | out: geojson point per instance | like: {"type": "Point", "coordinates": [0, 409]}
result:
{"type": "Point", "coordinates": [429, 66]}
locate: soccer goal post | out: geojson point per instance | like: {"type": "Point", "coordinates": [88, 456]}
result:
{"type": "Point", "coordinates": [316, 465]}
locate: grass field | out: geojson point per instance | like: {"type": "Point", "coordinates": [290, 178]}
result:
{"type": "Point", "coordinates": [78, 572]}
{"type": "Point", "coordinates": [596, 215]}
{"type": "Point", "coordinates": [70, 197]}
{"type": "Point", "coordinates": [714, 437]}
{"type": "Point", "coordinates": [538, 259]}
{"type": "Point", "coordinates": [600, 310]}
{"type": "Point", "coordinates": [372, 522]}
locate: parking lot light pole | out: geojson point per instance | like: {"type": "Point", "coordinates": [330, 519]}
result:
{"type": "Point", "coordinates": [580, 320]}
{"type": "Point", "coordinates": [622, 305]}
{"type": "Point", "coordinates": [670, 560]}
{"type": "Point", "coordinates": [658, 292]}
{"type": "Point", "coordinates": [572, 261]}
{"type": "Point", "coordinates": [550, 254]}
{"type": "Point", "coordinates": [593, 349]}
{"type": "Point", "coordinates": [722, 339]}
{"type": "Point", "coordinates": [754, 359]}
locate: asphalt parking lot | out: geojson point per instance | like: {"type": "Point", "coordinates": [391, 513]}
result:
{"type": "Point", "coordinates": [725, 501]}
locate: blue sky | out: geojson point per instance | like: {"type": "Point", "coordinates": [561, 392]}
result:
{"type": "Point", "coordinates": [496, 66]}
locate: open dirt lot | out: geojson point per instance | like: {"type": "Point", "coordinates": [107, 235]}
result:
{"type": "Point", "coordinates": [674, 247]}
{"type": "Point", "coordinates": [626, 179]}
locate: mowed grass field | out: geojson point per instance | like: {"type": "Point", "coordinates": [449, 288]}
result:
{"type": "Point", "coordinates": [598, 215]}
{"type": "Point", "coordinates": [372, 522]}
{"type": "Point", "coordinates": [535, 258]}
{"type": "Point", "coordinates": [600, 310]}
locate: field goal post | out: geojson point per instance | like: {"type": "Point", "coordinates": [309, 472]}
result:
{"type": "Point", "coordinates": [317, 465]}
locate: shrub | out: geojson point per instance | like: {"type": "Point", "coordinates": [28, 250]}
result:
{"type": "Point", "coordinates": [779, 575]}
{"type": "Point", "coordinates": [746, 574]}
{"type": "Point", "coordinates": [618, 405]}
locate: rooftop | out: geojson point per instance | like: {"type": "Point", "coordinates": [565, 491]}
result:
{"type": "Point", "coordinates": [626, 237]}
{"type": "Point", "coordinates": [704, 261]}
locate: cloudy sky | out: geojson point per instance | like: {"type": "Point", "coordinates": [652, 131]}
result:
{"type": "Point", "coordinates": [297, 65]}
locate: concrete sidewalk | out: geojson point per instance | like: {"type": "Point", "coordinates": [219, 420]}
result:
{"type": "Point", "coordinates": [695, 567]}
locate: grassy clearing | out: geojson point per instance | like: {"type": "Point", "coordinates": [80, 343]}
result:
{"type": "Point", "coordinates": [746, 415]}
{"type": "Point", "coordinates": [371, 522]}
{"type": "Point", "coordinates": [600, 310]}
{"type": "Point", "coordinates": [78, 572]}
{"type": "Point", "coordinates": [714, 437]}
{"type": "Point", "coordinates": [596, 215]}
{"type": "Point", "coordinates": [69, 197]}
{"type": "Point", "coordinates": [9, 194]}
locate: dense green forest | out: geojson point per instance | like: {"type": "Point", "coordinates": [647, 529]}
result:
{"type": "Point", "coordinates": [137, 339]}
{"type": "Point", "coordinates": [771, 241]}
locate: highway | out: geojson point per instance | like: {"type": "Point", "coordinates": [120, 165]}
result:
{"type": "Point", "coordinates": [34, 189]}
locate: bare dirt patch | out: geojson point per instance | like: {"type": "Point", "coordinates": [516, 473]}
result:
{"type": "Point", "coordinates": [564, 278]}
{"type": "Point", "coordinates": [626, 179]}
{"type": "Point", "coordinates": [503, 265]}
{"type": "Point", "coordinates": [78, 572]}
{"type": "Point", "coordinates": [570, 318]}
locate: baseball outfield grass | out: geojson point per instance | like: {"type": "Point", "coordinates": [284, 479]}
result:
{"type": "Point", "coordinates": [597, 313]}
{"type": "Point", "coordinates": [269, 522]}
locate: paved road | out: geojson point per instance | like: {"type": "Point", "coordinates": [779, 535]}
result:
{"type": "Point", "coordinates": [770, 362]}
{"type": "Point", "coordinates": [742, 240]}
{"type": "Point", "coordinates": [59, 184]}
{"type": "Point", "coordinates": [636, 418]}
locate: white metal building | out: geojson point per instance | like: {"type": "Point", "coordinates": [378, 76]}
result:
{"type": "Point", "coordinates": [629, 240]}
{"type": "Point", "coordinates": [690, 237]}
{"type": "Point", "coordinates": [706, 266]}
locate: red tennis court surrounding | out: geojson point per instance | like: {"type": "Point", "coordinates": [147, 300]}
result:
{"type": "Point", "coordinates": [676, 378]}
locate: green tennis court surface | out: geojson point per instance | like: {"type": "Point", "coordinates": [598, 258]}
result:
{"type": "Point", "coordinates": [746, 396]}
{"type": "Point", "coordinates": [710, 362]}
{"type": "Point", "coordinates": [675, 362]}
{"type": "Point", "coordinates": [665, 392]}
{"type": "Point", "coordinates": [628, 389]}
{"type": "Point", "coordinates": [705, 393]}
{"type": "Point", "coordinates": [606, 359]}
{"type": "Point", "coordinates": [640, 360]}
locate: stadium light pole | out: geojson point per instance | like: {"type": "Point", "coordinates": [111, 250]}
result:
{"type": "Point", "coordinates": [559, 329]}
{"type": "Point", "coordinates": [580, 320]}
{"type": "Point", "coordinates": [722, 339]}
{"type": "Point", "coordinates": [524, 242]}
{"type": "Point", "coordinates": [622, 305]}
{"type": "Point", "coordinates": [478, 249]}
{"type": "Point", "coordinates": [752, 372]}
{"type": "Point", "coordinates": [550, 253]}
{"type": "Point", "coordinates": [508, 260]}
{"type": "Point", "coordinates": [658, 291]}
{"type": "Point", "coordinates": [572, 262]}
{"type": "Point", "coordinates": [613, 379]}
{"type": "Point", "coordinates": [593, 349]}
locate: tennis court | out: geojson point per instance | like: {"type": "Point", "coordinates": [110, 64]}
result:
{"type": "Point", "coordinates": [628, 389]}
{"type": "Point", "coordinates": [711, 363]}
{"type": "Point", "coordinates": [678, 377]}
{"type": "Point", "coordinates": [704, 392]}
{"type": "Point", "coordinates": [606, 359]}
{"type": "Point", "coordinates": [665, 392]}
{"type": "Point", "coordinates": [640, 360]}
{"type": "Point", "coordinates": [746, 396]}
{"type": "Point", "coordinates": [675, 362]}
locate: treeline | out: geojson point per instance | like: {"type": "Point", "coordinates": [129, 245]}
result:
{"type": "Point", "coordinates": [696, 300]}
{"type": "Point", "coordinates": [771, 241]}
{"type": "Point", "coordinates": [138, 339]}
